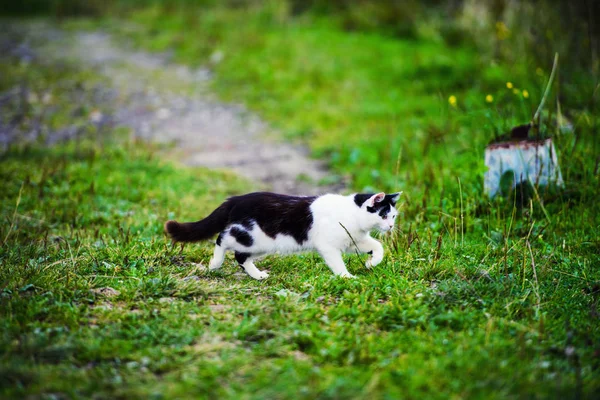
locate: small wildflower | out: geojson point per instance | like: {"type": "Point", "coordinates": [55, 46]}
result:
{"type": "Point", "coordinates": [452, 100]}
{"type": "Point", "coordinates": [489, 98]}
{"type": "Point", "coordinates": [516, 91]}
{"type": "Point", "coordinates": [509, 85]}
{"type": "Point", "coordinates": [525, 94]}
{"type": "Point", "coordinates": [502, 31]}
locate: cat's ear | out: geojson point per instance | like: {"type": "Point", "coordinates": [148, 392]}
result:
{"type": "Point", "coordinates": [394, 197]}
{"type": "Point", "coordinates": [376, 198]}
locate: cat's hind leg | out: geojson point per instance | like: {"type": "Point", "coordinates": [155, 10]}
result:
{"type": "Point", "coordinates": [246, 262]}
{"type": "Point", "coordinates": [218, 256]}
{"type": "Point", "coordinates": [335, 262]}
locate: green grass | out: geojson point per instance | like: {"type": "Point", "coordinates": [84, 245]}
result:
{"type": "Point", "coordinates": [438, 318]}
{"type": "Point", "coordinates": [474, 299]}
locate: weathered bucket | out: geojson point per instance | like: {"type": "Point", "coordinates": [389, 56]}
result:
{"type": "Point", "coordinates": [528, 160]}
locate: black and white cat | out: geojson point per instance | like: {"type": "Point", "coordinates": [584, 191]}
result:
{"type": "Point", "coordinates": [257, 224]}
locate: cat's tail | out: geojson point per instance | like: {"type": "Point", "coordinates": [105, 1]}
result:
{"type": "Point", "coordinates": [200, 230]}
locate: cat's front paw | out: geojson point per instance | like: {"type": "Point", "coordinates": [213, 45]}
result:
{"type": "Point", "coordinates": [347, 275]}
{"type": "Point", "coordinates": [371, 262]}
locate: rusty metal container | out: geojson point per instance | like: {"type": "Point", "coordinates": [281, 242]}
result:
{"type": "Point", "coordinates": [528, 160]}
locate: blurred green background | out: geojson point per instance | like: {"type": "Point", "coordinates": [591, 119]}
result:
{"type": "Point", "coordinates": [381, 89]}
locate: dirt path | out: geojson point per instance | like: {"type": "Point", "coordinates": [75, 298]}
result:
{"type": "Point", "coordinates": [166, 102]}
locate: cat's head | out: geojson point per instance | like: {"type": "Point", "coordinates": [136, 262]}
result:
{"type": "Point", "coordinates": [378, 211]}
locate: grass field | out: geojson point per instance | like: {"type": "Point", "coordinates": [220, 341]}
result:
{"type": "Point", "coordinates": [475, 299]}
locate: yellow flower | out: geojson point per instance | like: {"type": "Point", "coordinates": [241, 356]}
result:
{"type": "Point", "coordinates": [452, 100]}
{"type": "Point", "coordinates": [525, 94]}
{"type": "Point", "coordinates": [509, 85]}
{"type": "Point", "coordinates": [516, 91]}
{"type": "Point", "coordinates": [502, 31]}
{"type": "Point", "coordinates": [489, 98]}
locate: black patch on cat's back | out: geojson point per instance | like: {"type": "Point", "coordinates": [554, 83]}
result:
{"type": "Point", "coordinates": [274, 213]}
{"type": "Point", "coordinates": [241, 236]}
